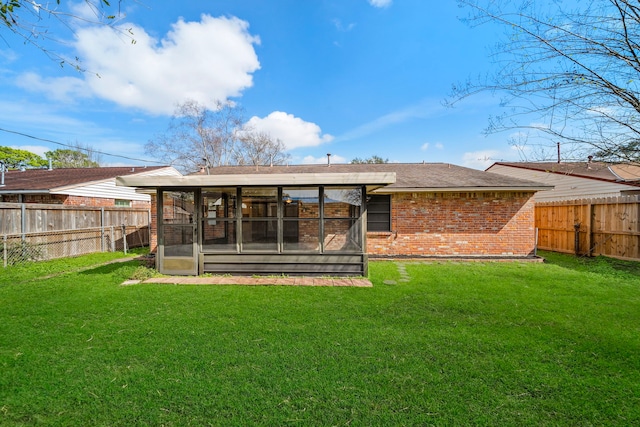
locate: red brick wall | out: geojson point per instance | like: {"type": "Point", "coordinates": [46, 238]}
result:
{"type": "Point", "coordinates": [153, 227]}
{"type": "Point", "coordinates": [457, 224]}
{"type": "Point", "coordinates": [448, 224]}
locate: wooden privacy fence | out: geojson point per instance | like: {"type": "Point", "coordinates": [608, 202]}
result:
{"type": "Point", "coordinates": [591, 227]}
{"type": "Point", "coordinates": [35, 218]}
{"type": "Point", "coordinates": [33, 232]}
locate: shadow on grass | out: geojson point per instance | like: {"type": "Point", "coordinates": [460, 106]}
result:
{"type": "Point", "coordinates": [599, 265]}
{"type": "Point", "coordinates": [111, 267]}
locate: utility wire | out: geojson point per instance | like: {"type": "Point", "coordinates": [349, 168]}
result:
{"type": "Point", "coordinates": [78, 148]}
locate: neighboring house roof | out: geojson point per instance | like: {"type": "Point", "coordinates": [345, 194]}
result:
{"type": "Point", "coordinates": [394, 177]}
{"type": "Point", "coordinates": [626, 173]}
{"type": "Point", "coordinates": [574, 180]}
{"type": "Point", "coordinates": [88, 182]}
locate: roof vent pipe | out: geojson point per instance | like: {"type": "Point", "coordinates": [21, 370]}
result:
{"type": "Point", "coordinates": [328, 159]}
{"type": "Point", "coordinates": [50, 164]}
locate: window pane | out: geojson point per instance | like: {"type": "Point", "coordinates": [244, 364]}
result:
{"type": "Point", "coordinates": [260, 235]}
{"type": "Point", "coordinates": [220, 236]}
{"type": "Point", "coordinates": [178, 207]}
{"type": "Point", "coordinates": [301, 235]}
{"type": "Point", "coordinates": [178, 240]}
{"type": "Point", "coordinates": [342, 235]}
{"type": "Point", "coordinates": [343, 202]}
{"type": "Point", "coordinates": [260, 202]}
{"type": "Point", "coordinates": [379, 213]}
{"type": "Point", "coordinates": [301, 202]}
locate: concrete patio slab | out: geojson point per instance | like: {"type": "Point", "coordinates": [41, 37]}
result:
{"type": "Point", "coordinates": [256, 281]}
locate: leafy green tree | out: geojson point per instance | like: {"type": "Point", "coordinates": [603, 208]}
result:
{"type": "Point", "coordinates": [14, 158]}
{"type": "Point", "coordinates": [371, 160]}
{"type": "Point", "coordinates": [67, 158]}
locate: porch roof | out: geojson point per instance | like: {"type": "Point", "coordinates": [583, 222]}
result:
{"type": "Point", "coordinates": [371, 179]}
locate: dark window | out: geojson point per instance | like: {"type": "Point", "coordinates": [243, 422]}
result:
{"type": "Point", "coordinates": [379, 212]}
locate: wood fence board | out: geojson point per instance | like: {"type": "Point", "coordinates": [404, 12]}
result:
{"type": "Point", "coordinates": [608, 226]}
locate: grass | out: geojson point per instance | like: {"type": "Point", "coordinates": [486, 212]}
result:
{"type": "Point", "coordinates": [478, 343]}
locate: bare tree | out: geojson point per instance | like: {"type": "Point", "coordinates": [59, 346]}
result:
{"type": "Point", "coordinates": [258, 148]}
{"type": "Point", "coordinates": [198, 137]}
{"type": "Point", "coordinates": [567, 72]}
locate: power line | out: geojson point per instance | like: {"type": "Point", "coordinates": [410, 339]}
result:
{"type": "Point", "coordinates": [78, 148]}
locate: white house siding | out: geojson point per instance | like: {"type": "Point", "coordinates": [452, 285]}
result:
{"type": "Point", "coordinates": [108, 190]}
{"type": "Point", "coordinates": [566, 187]}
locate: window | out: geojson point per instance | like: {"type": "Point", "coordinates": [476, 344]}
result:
{"type": "Point", "coordinates": [122, 202]}
{"type": "Point", "coordinates": [379, 213]}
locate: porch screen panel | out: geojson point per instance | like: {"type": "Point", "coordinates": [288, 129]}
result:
{"type": "Point", "coordinates": [178, 210]}
{"type": "Point", "coordinates": [178, 240]}
{"type": "Point", "coordinates": [301, 219]}
{"type": "Point", "coordinates": [342, 222]}
{"type": "Point", "coordinates": [219, 219]}
{"type": "Point", "coordinates": [260, 219]}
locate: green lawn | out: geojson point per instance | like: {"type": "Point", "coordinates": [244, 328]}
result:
{"type": "Point", "coordinates": [478, 343]}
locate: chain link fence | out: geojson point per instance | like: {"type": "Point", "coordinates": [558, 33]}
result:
{"type": "Point", "coordinates": [41, 246]}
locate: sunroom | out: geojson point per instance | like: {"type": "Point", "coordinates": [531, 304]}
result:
{"type": "Point", "coordinates": [311, 224]}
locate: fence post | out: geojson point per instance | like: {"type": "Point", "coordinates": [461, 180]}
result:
{"type": "Point", "coordinates": [124, 238]}
{"type": "Point", "coordinates": [113, 239]}
{"type": "Point", "coordinates": [4, 250]}
{"type": "Point", "coordinates": [23, 221]}
{"type": "Point", "coordinates": [589, 229]}
{"type": "Point", "coordinates": [102, 242]}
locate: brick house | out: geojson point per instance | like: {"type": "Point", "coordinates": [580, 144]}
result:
{"type": "Point", "coordinates": [78, 186]}
{"type": "Point", "coordinates": [329, 219]}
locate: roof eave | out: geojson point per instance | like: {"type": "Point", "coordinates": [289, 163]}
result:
{"type": "Point", "coordinates": [387, 190]}
{"type": "Point", "coordinates": [365, 178]}
{"type": "Point", "coordinates": [17, 191]}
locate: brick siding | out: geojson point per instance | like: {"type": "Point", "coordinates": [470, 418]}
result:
{"type": "Point", "coordinates": [457, 224]}
{"type": "Point", "coordinates": [449, 224]}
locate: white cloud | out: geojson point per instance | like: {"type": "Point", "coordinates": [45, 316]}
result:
{"type": "Point", "coordinates": [343, 28]}
{"type": "Point", "coordinates": [437, 145]}
{"type": "Point", "coordinates": [421, 110]}
{"type": "Point", "coordinates": [292, 131]}
{"type": "Point", "coordinates": [380, 3]}
{"type": "Point", "coordinates": [61, 89]}
{"type": "Point", "coordinates": [205, 61]}
{"type": "Point", "coordinates": [480, 159]}
{"type": "Point", "coordinates": [310, 160]}
{"type": "Point", "coordinates": [36, 149]}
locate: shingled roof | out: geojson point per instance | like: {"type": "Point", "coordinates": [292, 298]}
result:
{"type": "Point", "coordinates": [408, 177]}
{"type": "Point", "coordinates": [622, 173]}
{"type": "Point", "coordinates": [47, 180]}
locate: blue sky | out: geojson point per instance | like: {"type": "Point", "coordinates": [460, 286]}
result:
{"type": "Point", "coordinates": [353, 78]}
